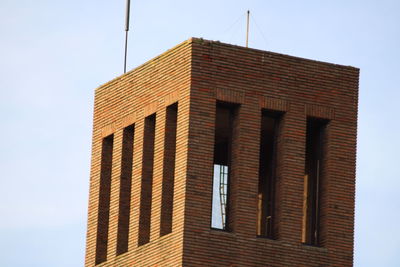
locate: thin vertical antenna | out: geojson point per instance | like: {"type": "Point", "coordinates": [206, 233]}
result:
{"type": "Point", "coordinates": [128, 7]}
{"type": "Point", "coordinates": [247, 32]}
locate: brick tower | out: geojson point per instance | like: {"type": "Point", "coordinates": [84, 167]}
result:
{"type": "Point", "coordinates": [218, 155]}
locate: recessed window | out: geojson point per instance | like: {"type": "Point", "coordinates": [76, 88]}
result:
{"type": "Point", "coordinates": [125, 189]}
{"type": "Point", "coordinates": [104, 199]}
{"type": "Point", "coordinates": [225, 119]}
{"type": "Point", "coordinates": [168, 170]}
{"type": "Point", "coordinates": [266, 221]}
{"type": "Point", "coordinates": [147, 180]}
{"type": "Point", "coordinates": [313, 179]}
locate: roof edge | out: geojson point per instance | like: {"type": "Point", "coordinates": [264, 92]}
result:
{"type": "Point", "coordinates": [205, 41]}
{"type": "Point", "coordinates": [198, 40]}
{"type": "Point", "coordinates": [143, 65]}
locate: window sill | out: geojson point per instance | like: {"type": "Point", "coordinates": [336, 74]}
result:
{"type": "Point", "coordinates": [221, 231]}
{"type": "Point", "coordinates": [263, 237]}
{"type": "Point", "coordinates": [313, 247]}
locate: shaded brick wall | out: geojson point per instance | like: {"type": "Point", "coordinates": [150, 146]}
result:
{"type": "Point", "coordinates": [300, 88]}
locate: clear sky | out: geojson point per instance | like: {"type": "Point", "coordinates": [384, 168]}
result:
{"type": "Point", "coordinates": [53, 54]}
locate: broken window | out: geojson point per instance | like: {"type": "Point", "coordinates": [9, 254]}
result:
{"type": "Point", "coordinates": [125, 189]}
{"type": "Point", "coordinates": [104, 199]}
{"type": "Point", "coordinates": [312, 180]}
{"type": "Point", "coordinates": [266, 225]}
{"type": "Point", "coordinates": [225, 116]}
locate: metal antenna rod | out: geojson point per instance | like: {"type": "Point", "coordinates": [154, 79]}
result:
{"type": "Point", "coordinates": [128, 7]}
{"type": "Point", "coordinates": [247, 32]}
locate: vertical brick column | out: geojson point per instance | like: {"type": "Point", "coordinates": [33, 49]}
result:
{"type": "Point", "coordinates": [200, 162]}
{"type": "Point", "coordinates": [157, 174]}
{"type": "Point", "coordinates": [292, 174]}
{"type": "Point", "coordinates": [136, 182]}
{"type": "Point", "coordinates": [339, 189]}
{"type": "Point", "coordinates": [181, 166]}
{"type": "Point", "coordinates": [246, 167]}
{"type": "Point", "coordinates": [93, 199]}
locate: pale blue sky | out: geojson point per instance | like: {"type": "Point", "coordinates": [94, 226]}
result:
{"type": "Point", "coordinates": [54, 53]}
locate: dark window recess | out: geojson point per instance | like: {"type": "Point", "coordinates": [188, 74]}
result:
{"type": "Point", "coordinates": [225, 116]}
{"type": "Point", "coordinates": [147, 179]}
{"type": "Point", "coordinates": [168, 170]}
{"type": "Point", "coordinates": [125, 189]}
{"type": "Point", "coordinates": [266, 221]}
{"type": "Point", "coordinates": [104, 199]}
{"type": "Point", "coordinates": [313, 179]}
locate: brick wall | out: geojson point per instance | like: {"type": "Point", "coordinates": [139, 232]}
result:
{"type": "Point", "coordinates": [128, 100]}
{"type": "Point", "coordinates": [197, 74]}
{"type": "Point", "coordinates": [299, 87]}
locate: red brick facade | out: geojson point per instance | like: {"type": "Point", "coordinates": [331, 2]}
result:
{"type": "Point", "coordinates": [195, 75]}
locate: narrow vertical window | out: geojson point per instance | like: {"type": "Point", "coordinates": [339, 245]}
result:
{"type": "Point", "coordinates": [225, 116]}
{"type": "Point", "coordinates": [125, 189]}
{"type": "Point", "coordinates": [104, 199]}
{"type": "Point", "coordinates": [147, 179]}
{"type": "Point", "coordinates": [267, 175]}
{"type": "Point", "coordinates": [168, 170]}
{"type": "Point", "coordinates": [312, 181]}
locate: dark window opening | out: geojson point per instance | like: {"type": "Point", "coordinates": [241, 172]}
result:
{"type": "Point", "coordinates": [104, 199]}
{"type": "Point", "coordinates": [147, 180]}
{"type": "Point", "coordinates": [125, 189]}
{"type": "Point", "coordinates": [168, 170]}
{"type": "Point", "coordinates": [225, 117]}
{"type": "Point", "coordinates": [266, 221]}
{"type": "Point", "coordinates": [312, 180]}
